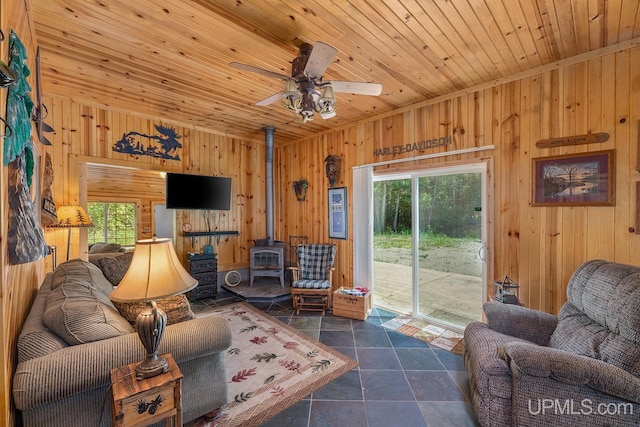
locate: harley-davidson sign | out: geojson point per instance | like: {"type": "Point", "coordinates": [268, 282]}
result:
{"type": "Point", "coordinates": [416, 146]}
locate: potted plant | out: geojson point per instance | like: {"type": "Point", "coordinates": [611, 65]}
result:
{"type": "Point", "coordinates": [300, 188]}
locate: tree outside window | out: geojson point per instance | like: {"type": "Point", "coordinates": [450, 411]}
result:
{"type": "Point", "coordinates": [114, 223]}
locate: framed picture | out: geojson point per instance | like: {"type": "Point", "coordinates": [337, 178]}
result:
{"type": "Point", "coordinates": [585, 179]}
{"type": "Point", "coordinates": [338, 213]}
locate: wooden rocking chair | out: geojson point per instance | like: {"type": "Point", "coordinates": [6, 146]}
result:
{"type": "Point", "coordinates": [312, 278]}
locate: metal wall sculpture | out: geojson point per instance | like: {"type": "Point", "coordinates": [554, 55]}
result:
{"type": "Point", "coordinates": [48, 214]}
{"type": "Point", "coordinates": [25, 239]}
{"type": "Point", "coordinates": [165, 145]}
{"type": "Point", "coordinates": [19, 104]}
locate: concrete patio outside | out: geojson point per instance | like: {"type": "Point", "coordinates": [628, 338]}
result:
{"type": "Point", "coordinates": [455, 299]}
{"type": "Point", "coordinates": [447, 297]}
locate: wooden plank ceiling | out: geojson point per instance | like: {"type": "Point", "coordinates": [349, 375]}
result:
{"type": "Point", "coordinates": [169, 59]}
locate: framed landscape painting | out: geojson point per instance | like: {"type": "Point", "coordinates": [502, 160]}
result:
{"type": "Point", "coordinates": [585, 179]}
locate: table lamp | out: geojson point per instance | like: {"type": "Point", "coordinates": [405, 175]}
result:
{"type": "Point", "coordinates": [155, 272]}
{"type": "Point", "coordinates": [72, 217]}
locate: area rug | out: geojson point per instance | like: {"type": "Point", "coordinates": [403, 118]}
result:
{"type": "Point", "coordinates": [424, 331]}
{"type": "Point", "coordinates": [270, 366]}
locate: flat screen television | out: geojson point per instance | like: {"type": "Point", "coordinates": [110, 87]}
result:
{"type": "Point", "coordinates": [186, 191]}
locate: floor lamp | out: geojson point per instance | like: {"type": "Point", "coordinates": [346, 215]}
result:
{"type": "Point", "coordinates": [72, 217]}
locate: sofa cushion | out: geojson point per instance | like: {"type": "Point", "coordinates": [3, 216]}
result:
{"type": "Point", "coordinates": [177, 308]}
{"type": "Point", "coordinates": [99, 248]}
{"type": "Point", "coordinates": [601, 317]}
{"type": "Point", "coordinates": [79, 270]}
{"type": "Point", "coordinates": [78, 308]}
{"type": "Point", "coordinates": [115, 268]}
{"type": "Point", "coordinates": [35, 339]}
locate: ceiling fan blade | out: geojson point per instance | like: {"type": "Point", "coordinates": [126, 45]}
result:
{"type": "Point", "coordinates": [357, 88]}
{"type": "Point", "coordinates": [270, 100]}
{"type": "Point", "coordinates": [321, 56]}
{"type": "Point", "coordinates": [253, 69]}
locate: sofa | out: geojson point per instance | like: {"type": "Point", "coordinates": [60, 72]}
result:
{"type": "Point", "coordinates": [101, 250]}
{"type": "Point", "coordinates": [74, 336]}
{"type": "Point", "coordinates": [582, 367]}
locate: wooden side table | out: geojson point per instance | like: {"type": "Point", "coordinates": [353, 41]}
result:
{"type": "Point", "coordinates": [138, 403]}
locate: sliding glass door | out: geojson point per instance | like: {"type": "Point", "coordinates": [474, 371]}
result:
{"type": "Point", "coordinates": [428, 243]}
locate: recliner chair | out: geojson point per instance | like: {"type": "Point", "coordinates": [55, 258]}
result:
{"type": "Point", "coordinates": [529, 368]}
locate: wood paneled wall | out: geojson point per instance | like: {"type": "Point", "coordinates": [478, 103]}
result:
{"type": "Point", "coordinates": [20, 282]}
{"type": "Point", "coordinates": [85, 135]}
{"type": "Point", "coordinates": [116, 184]}
{"type": "Point", "coordinates": [539, 247]}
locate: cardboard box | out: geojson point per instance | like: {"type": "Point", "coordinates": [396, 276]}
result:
{"type": "Point", "coordinates": [351, 306]}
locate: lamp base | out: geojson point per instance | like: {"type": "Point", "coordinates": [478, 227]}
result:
{"type": "Point", "coordinates": [150, 325]}
{"type": "Point", "coordinates": [151, 366]}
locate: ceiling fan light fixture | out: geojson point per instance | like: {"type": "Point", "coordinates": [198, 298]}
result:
{"type": "Point", "coordinates": [328, 115]}
{"type": "Point", "coordinates": [305, 118]}
{"type": "Point", "coordinates": [293, 104]}
{"type": "Point", "coordinates": [326, 104]}
{"type": "Point", "coordinates": [290, 89]}
{"type": "Point", "coordinates": [305, 92]}
{"type": "Point", "coordinates": [308, 106]}
{"type": "Point", "coordinates": [291, 96]}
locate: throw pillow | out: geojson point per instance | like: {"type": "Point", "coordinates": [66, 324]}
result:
{"type": "Point", "coordinates": [115, 268]}
{"type": "Point", "coordinates": [177, 308]}
{"type": "Point", "coordinates": [79, 313]}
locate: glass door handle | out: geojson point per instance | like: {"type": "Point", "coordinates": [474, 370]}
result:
{"type": "Point", "coordinates": [482, 253]}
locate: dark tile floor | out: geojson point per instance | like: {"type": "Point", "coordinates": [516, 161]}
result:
{"type": "Point", "coordinates": [400, 381]}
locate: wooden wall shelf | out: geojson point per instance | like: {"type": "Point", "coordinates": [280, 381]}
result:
{"type": "Point", "coordinates": [217, 234]}
{"type": "Point", "coordinates": [209, 233]}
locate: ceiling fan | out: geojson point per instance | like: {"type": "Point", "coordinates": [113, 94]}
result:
{"type": "Point", "coordinates": [305, 92]}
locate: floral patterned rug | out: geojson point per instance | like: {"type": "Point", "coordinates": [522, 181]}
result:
{"type": "Point", "coordinates": [424, 331]}
{"type": "Point", "coordinates": [270, 366]}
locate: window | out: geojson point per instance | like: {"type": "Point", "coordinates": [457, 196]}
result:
{"type": "Point", "coordinates": [114, 223]}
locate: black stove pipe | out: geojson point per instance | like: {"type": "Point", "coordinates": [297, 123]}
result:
{"type": "Point", "coordinates": [268, 139]}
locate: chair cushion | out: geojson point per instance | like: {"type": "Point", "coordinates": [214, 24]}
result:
{"type": "Point", "coordinates": [311, 284]}
{"type": "Point", "coordinates": [316, 260]}
{"type": "Point", "coordinates": [78, 310]}
{"type": "Point", "coordinates": [601, 317]}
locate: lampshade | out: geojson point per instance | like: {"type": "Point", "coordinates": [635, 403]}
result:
{"type": "Point", "coordinates": [72, 217]}
{"type": "Point", "coordinates": [155, 272]}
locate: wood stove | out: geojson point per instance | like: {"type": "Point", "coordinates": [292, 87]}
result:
{"type": "Point", "coordinates": [267, 261]}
